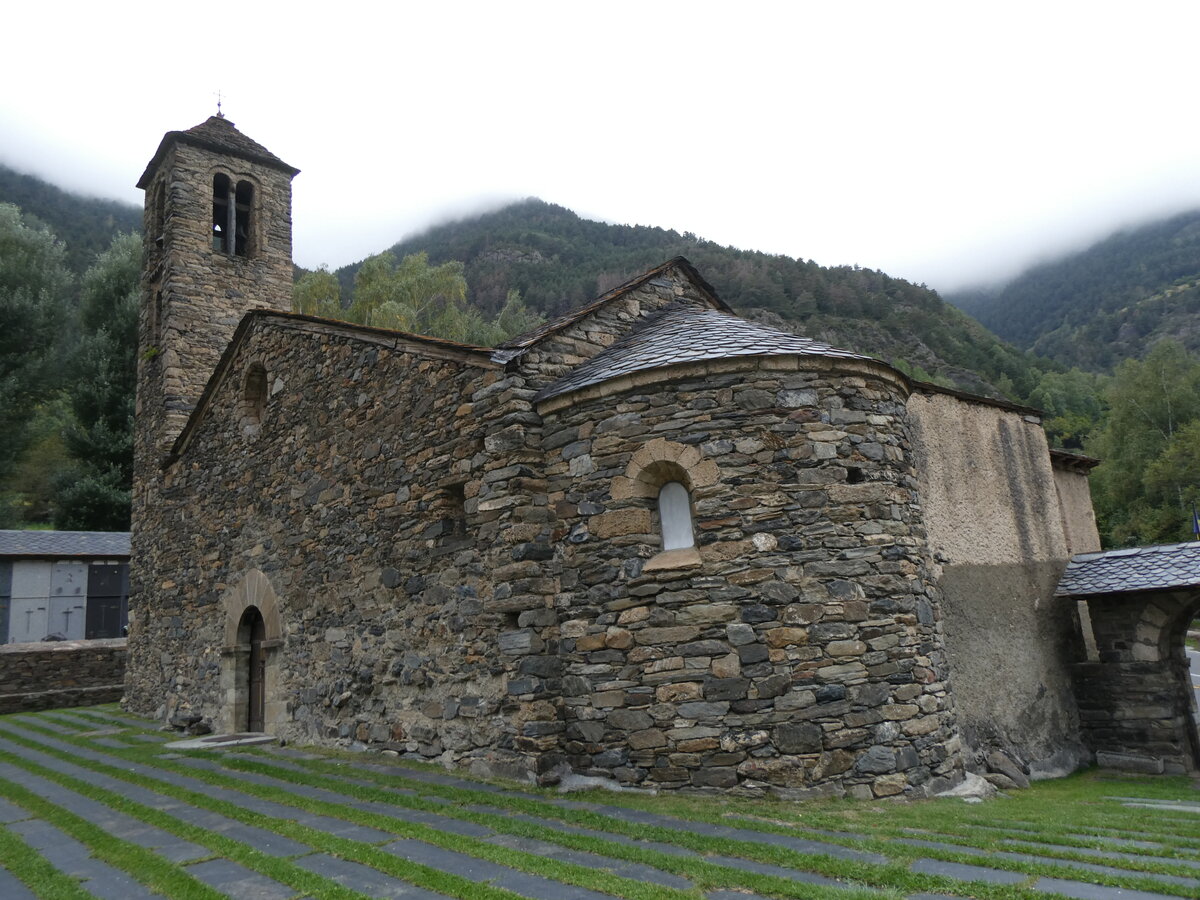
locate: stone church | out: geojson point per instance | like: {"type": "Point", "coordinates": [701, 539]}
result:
{"type": "Point", "coordinates": [649, 541]}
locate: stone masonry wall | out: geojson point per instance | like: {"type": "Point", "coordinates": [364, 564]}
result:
{"type": "Point", "coordinates": [369, 500]}
{"type": "Point", "coordinates": [1136, 702]}
{"type": "Point", "coordinates": [802, 652]}
{"type": "Point", "coordinates": [56, 674]}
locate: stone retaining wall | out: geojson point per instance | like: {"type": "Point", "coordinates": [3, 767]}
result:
{"type": "Point", "coordinates": [56, 674]}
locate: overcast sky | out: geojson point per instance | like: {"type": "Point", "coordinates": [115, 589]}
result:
{"type": "Point", "coordinates": [946, 143]}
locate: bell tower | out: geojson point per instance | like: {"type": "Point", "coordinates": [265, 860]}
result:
{"type": "Point", "coordinates": [217, 242]}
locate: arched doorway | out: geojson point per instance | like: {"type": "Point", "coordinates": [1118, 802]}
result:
{"type": "Point", "coordinates": [252, 632]}
{"type": "Point", "coordinates": [252, 692]}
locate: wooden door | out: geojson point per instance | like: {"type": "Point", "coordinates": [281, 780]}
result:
{"type": "Point", "coordinates": [258, 673]}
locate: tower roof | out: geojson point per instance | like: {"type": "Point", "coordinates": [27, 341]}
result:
{"type": "Point", "coordinates": [219, 135]}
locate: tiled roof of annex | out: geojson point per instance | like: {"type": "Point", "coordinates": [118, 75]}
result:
{"type": "Point", "coordinates": [64, 543]}
{"type": "Point", "coordinates": [219, 134]}
{"type": "Point", "coordinates": [683, 333]}
{"type": "Point", "coordinates": [1164, 567]}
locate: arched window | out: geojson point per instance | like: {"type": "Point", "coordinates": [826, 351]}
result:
{"type": "Point", "coordinates": [254, 399]}
{"type": "Point", "coordinates": [243, 202]}
{"type": "Point", "coordinates": [232, 229]}
{"type": "Point", "coordinates": [160, 214]}
{"type": "Point", "coordinates": [222, 214]}
{"type": "Point", "coordinates": [675, 516]}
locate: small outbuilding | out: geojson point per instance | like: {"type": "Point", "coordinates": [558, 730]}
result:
{"type": "Point", "coordinates": [63, 585]}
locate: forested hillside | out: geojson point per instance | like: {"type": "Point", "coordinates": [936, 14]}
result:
{"type": "Point", "coordinates": [1108, 303]}
{"type": "Point", "coordinates": [557, 260]}
{"type": "Point", "coordinates": [85, 225]}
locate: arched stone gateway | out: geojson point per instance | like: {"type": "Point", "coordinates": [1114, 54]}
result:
{"type": "Point", "coordinates": [1136, 702]}
{"type": "Point", "coordinates": [249, 657]}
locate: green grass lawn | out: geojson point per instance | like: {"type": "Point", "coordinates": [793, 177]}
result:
{"type": "Point", "coordinates": [1058, 826]}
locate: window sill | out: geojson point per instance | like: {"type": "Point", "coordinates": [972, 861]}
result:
{"type": "Point", "coordinates": [685, 558]}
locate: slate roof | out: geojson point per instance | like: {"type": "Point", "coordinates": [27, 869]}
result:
{"type": "Point", "coordinates": [682, 333]}
{"type": "Point", "coordinates": [219, 135]}
{"type": "Point", "coordinates": [64, 543]}
{"type": "Point", "coordinates": [514, 347]}
{"type": "Point", "coordinates": [1158, 568]}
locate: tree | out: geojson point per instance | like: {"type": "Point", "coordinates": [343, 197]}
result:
{"type": "Point", "coordinates": [34, 282]}
{"type": "Point", "coordinates": [421, 299]}
{"type": "Point", "coordinates": [318, 293]}
{"type": "Point", "coordinates": [93, 493]}
{"type": "Point", "coordinates": [1073, 405]}
{"type": "Point", "coordinates": [410, 296]}
{"type": "Point", "coordinates": [1142, 488]}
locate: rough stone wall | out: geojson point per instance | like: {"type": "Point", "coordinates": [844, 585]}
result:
{"type": "Point", "coordinates": [350, 498]}
{"type": "Point", "coordinates": [1136, 701]}
{"type": "Point", "coordinates": [801, 652]}
{"type": "Point", "coordinates": [56, 674]}
{"type": "Point", "coordinates": [995, 527]}
{"type": "Point", "coordinates": [557, 354]}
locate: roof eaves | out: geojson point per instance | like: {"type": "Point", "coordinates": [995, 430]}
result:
{"type": "Point", "coordinates": [186, 137]}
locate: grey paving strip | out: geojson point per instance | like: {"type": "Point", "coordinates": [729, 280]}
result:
{"type": "Point", "coordinates": [364, 879]}
{"type": "Point", "coordinates": [57, 727]}
{"type": "Point", "coordinates": [111, 743]}
{"type": "Point", "coordinates": [1091, 891]}
{"type": "Point", "coordinates": [12, 888]}
{"type": "Point", "coordinates": [963, 872]}
{"type": "Point", "coordinates": [117, 824]}
{"type": "Point", "coordinates": [1145, 845]}
{"type": "Point", "coordinates": [72, 858]}
{"type": "Point", "coordinates": [1103, 854]}
{"type": "Point", "coordinates": [482, 870]}
{"type": "Point", "coordinates": [1190, 805]}
{"type": "Point", "coordinates": [10, 812]}
{"type": "Point", "coordinates": [237, 881]}
{"type": "Point", "coordinates": [1166, 807]}
{"type": "Point", "coordinates": [1054, 861]}
{"type": "Point", "coordinates": [631, 870]}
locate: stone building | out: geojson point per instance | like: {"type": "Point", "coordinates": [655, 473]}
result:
{"type": "Point", "coordinates": [650, 540]}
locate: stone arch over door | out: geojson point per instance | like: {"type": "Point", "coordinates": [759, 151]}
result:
{"type": "Point", "coordinates": [253, 592]}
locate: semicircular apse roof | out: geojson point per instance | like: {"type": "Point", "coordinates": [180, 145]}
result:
{"type": "Point", "coordinates": [683, 333]}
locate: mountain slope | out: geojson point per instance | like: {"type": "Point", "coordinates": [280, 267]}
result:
{"type": "Point", "coordinates": [85, 224]}
{"type": "Point", "coordinates": [558, 260]}
{"type": "Point", "coordinates": [1107, 303]}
